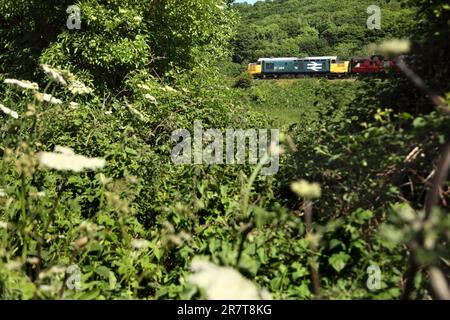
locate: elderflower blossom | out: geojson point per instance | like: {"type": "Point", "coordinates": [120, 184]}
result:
{"type": "Point", "coordinates": [10, 112]}
{"type": "Point", "coordinates": [136, 112]}
{"type": "Point", "coordinates": [144, 86]}
{"type": "Point", "coordinates": [306, 190]}
{"type": "Point", "coordinates": [47, 98]}
{"type": "Point", "coordinates": [65, 159]}
{"type": "Point", "coordinates": [64, 150]}
{"type": "Point", "coordinates": [169, 89]}
{"type": "Point", "coordinates": [394, 47]}
{"type": "Point", "coordinates": [140, 243]}
{"type": "Point", "coordinates": [224, 283]}
{"type": "Point", "coordinates": [150, 97]}
{"type": "Point", "coordinates": [23, 84]}
{"type": "Point", "coordinates": [77, 87]}
{"type": "Point", "coordinates": [54, 74]}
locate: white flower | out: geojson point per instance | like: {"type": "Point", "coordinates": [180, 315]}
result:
{"type": "Point", "coordinates": [10, 112]}
{"type": "Point", "coordinates": [144, 86]}
{"type": "Point", "coordinates": [3, 225]}
{"type": "Point", "coordinates": [136, 112]}
{"type": "Point", "coordinates": [64, 150]}
{"type": "Point", "coordinates": [2, 193]}
{"type": "Point", "coordinates": [47, 98]}
{"type": "Point", "coordinates": [24, 84]}
{"type": "Point", "coordinates": [64, 159]}
{"type": "Point", "coordinates": [169, 89]}
{"type": "Point", "coordinates": [54, 74]}
{"type": "Point", "coordinates": [306, 190]}
{"type": "Point", "coordinates": [224, 283]}
{"type": "Point", "coordinates": [395, 47]}
{"type": "Point", "coordinates": [140, 243]}
{"type": "Point", "coordinates": [74, 105]}
{"type": "Point", "coordinates": [150, 97]}
{"type": "Point", "coordinates": [77, 87]}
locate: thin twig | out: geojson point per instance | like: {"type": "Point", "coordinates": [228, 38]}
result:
{"type": "Point", "coordinates": [438, 179]}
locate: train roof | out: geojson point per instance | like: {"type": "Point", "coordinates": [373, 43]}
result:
{"type": "Point", "coordinates": [278, 59]}
{"type": "Point", "coordinates": [320, 58]}
{"type": "Point", "coordinates": [297, 58]}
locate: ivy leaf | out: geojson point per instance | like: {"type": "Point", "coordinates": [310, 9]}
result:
{"type": "Point", "coordinates": [339, 260]}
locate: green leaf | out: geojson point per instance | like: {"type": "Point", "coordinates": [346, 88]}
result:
{"type": "Point", "coordinates": [339, 260]}
{"type": "Point", "coordinates": [419, 123]}
{"type": "Point", "coordinates": [103, 271]}
{"type": "Point", "coordinates": [112, 280]}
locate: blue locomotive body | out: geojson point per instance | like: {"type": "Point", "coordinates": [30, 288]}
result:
{"type": "Point", "coordinates": [295, 66]}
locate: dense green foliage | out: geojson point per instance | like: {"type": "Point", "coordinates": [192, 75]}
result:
{"type": "Point", "coordinates": [314, 27]}
{"type": "Point", "coordinates": [138, 70]}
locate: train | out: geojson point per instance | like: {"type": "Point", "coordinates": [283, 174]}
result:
{"type": "Point", "coordinates": [329, 66]}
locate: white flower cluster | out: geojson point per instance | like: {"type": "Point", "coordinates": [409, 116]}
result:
{"type": "Point", "coordinates": [394, 47]}
{"type": "Point", "coordinates": [307, 190]}
{"type": "Point", "coordinates": [41, 97]}
{"type": "Point", "coordinates": [54, 74]}
{"type": "Point", "coordinates": [22, 84]}
{"type": "Point", "coordinates": [62, 77]}
{"type": "Point", "coordinates": [224, 283]}
{"type": "Point", "coordinates": [9, 112]}
{"type": "Point", "coordinates": [77, 87]}
{"type": "Point", "coordinates": [140, 243]}
{"type": "Point", "coordinates": [147, 96]}
{"type": "Point", "coordinates": [65, 159]}
{"type": "Point", "coordinates": [133, 110]}
{"type": "Point", "coordinates": [151, 98]}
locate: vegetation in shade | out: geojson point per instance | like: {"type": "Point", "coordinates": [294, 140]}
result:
{"type": "Point", "coordinates": [87, 181]}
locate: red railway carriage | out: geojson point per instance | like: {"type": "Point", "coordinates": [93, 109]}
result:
{"type": "Point", "coordinates": [391, 66]}
{"type": "Point", "coordinates": [366, 65]}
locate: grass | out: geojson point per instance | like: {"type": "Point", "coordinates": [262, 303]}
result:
{"type": "Point", "coordinates": [289, 101]}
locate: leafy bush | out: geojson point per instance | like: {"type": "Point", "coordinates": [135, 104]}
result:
{"type": "Point", "coordinates": [244, 81]}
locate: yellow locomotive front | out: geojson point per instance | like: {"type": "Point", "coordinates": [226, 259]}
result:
{"type": "Point", "coordinates": [254, 69]}
{"type": "Point", "coordinates": [339, 67]}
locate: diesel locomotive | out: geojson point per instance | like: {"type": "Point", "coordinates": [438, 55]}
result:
{"type": "Point", "coordinates": [329, 66]}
